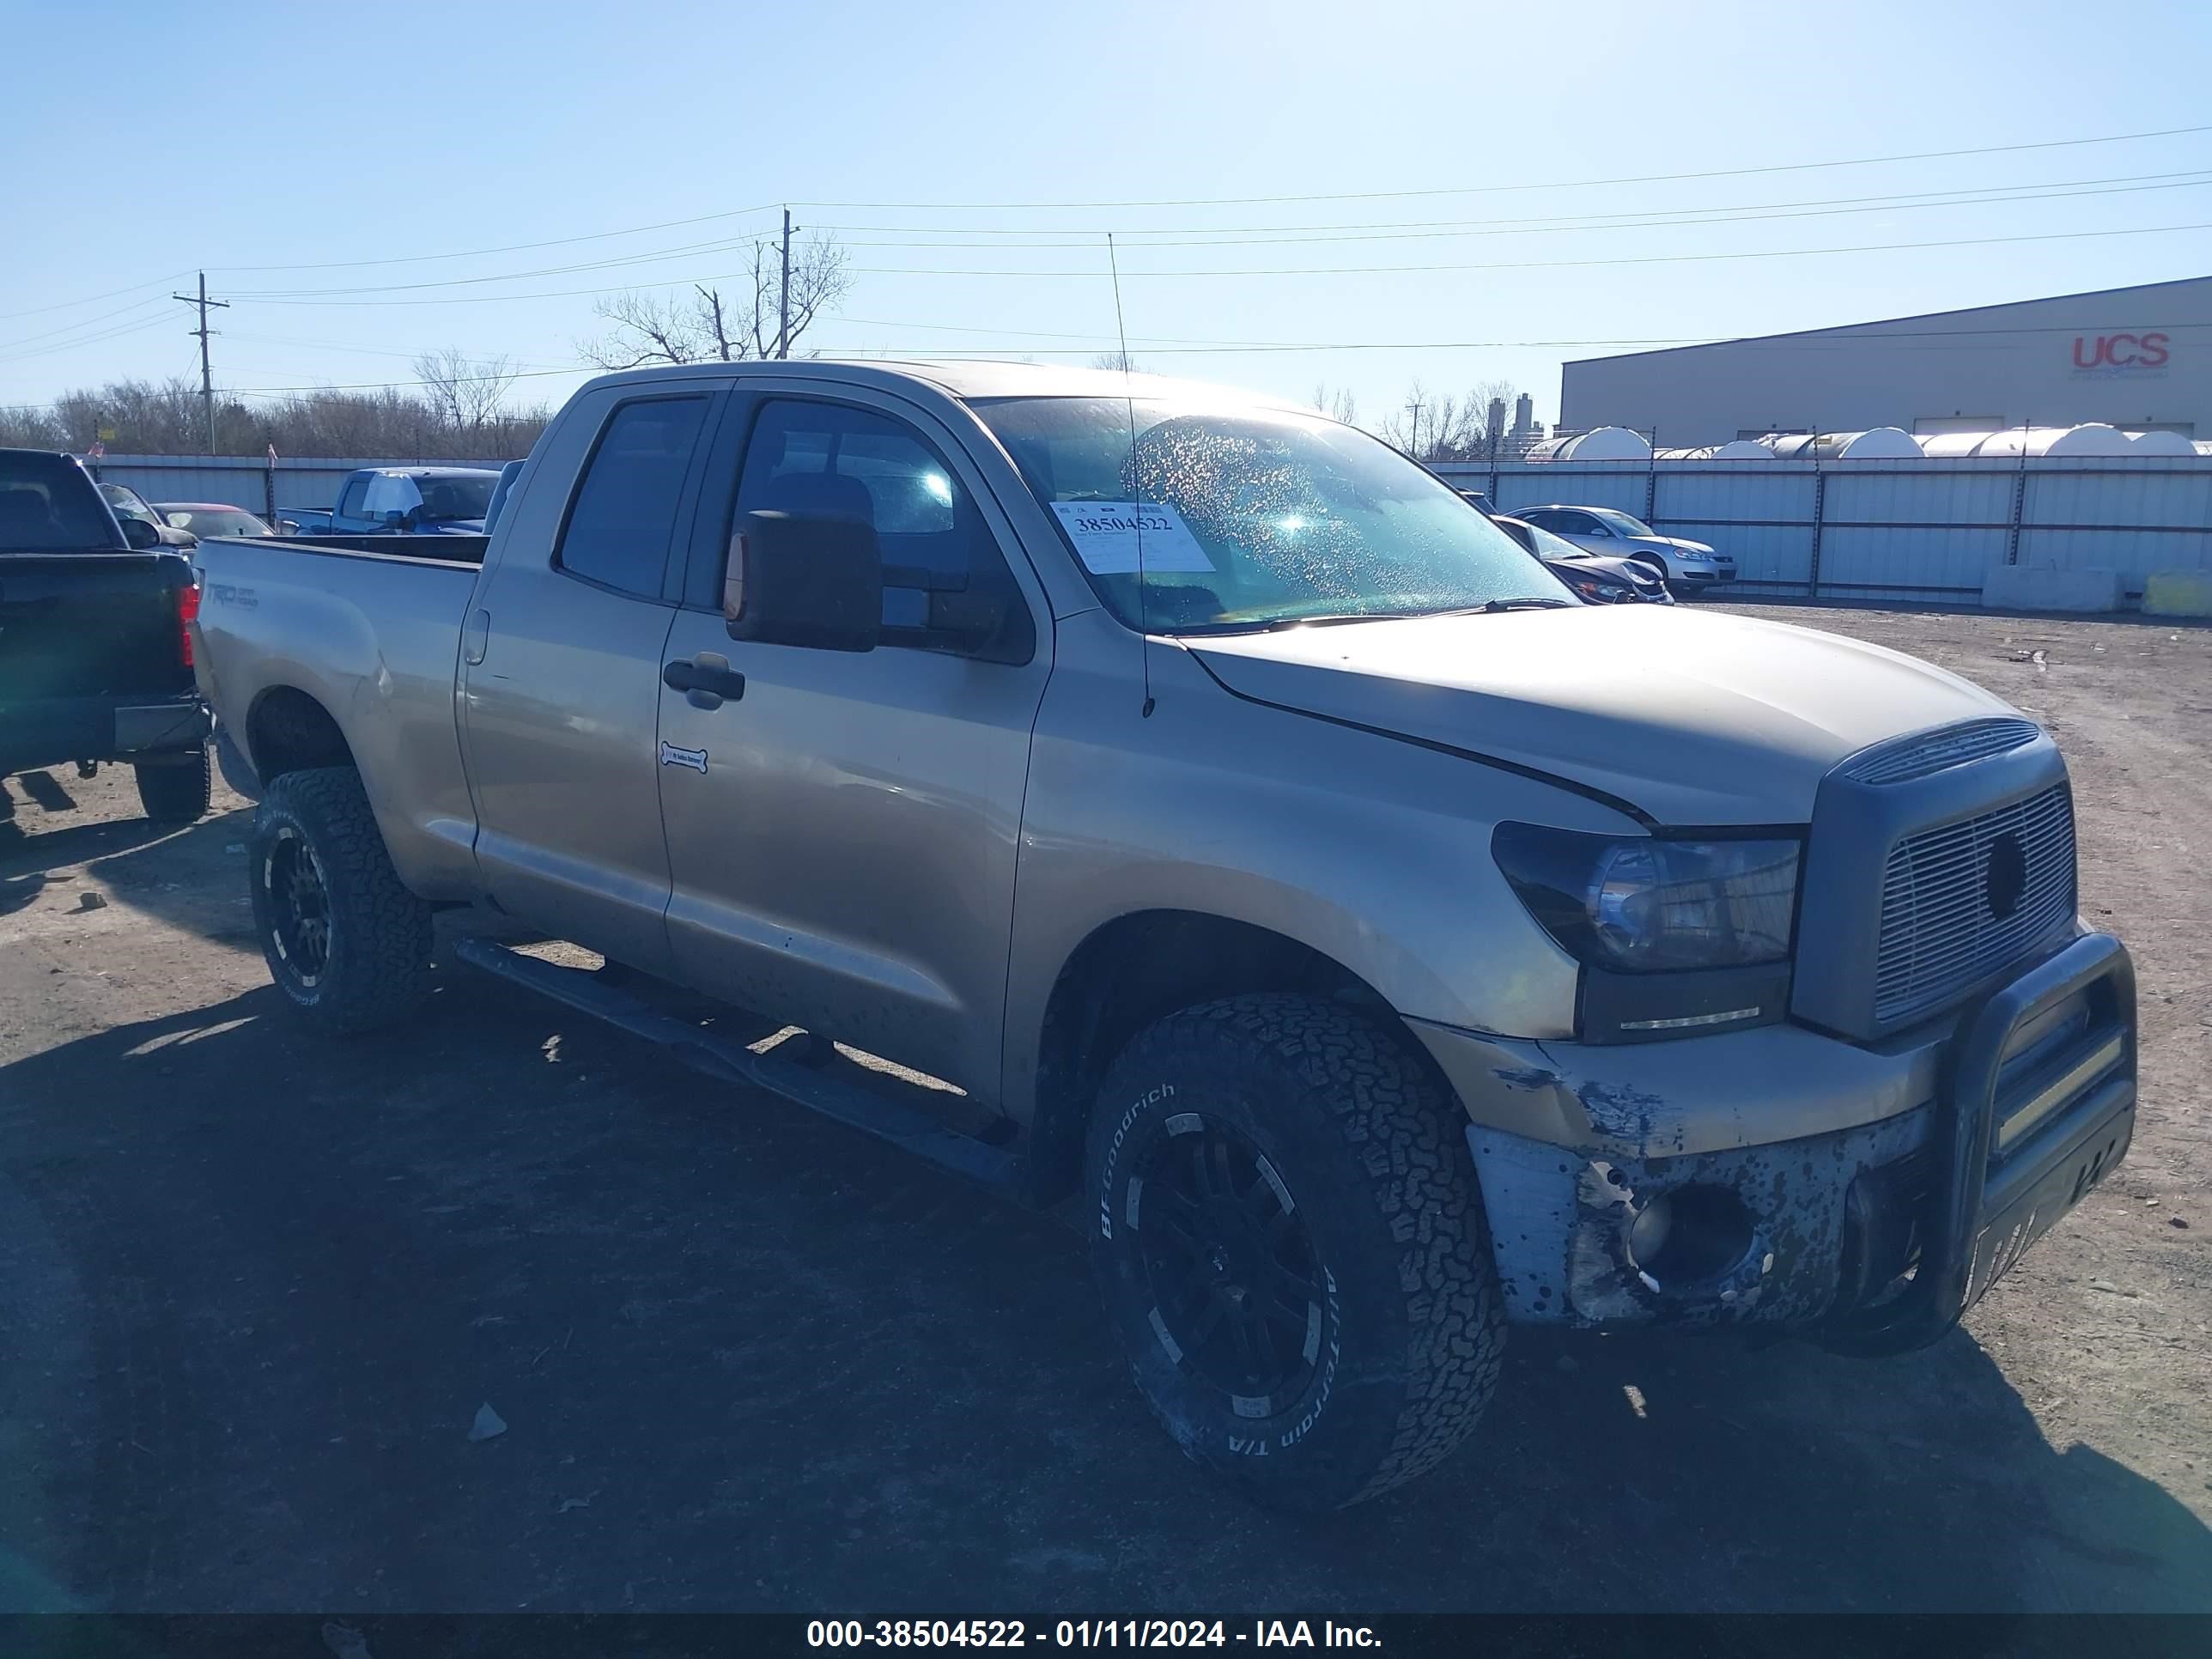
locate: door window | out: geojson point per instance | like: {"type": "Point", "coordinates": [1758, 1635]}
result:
{"type": "Point", "coordinates": [625, 510]}
{"type": "Point", "coordinates": [838, 460]}
{"type": "Point", "coordinates": [350, 504]}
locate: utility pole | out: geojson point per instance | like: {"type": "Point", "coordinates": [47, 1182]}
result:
{"type": "Point", "coordinates": [783, 295]}
{"type": "Point", "coordinates": [207, 380]}
{"type": "Point", "coordinates": [1415, 446]}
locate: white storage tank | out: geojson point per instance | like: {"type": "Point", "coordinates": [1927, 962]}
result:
{"type": "Point", "coordinates": [1882, 443]}
{"type": "Point", "coordinates": [1740, 449]}
{"type": "Point", "coordinates": [2090, 438]}
{"type": "Point", "coordinates": [1954, 444]}
{"type": "Point", "coordinates": [1604, 443]}
{"type": "Point", "coordinates": [2160, 443]}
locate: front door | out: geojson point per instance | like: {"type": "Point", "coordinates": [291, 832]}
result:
{"type": "Point", "coordinates": [843, 832]}
{"type": "Point", "coordinates": [561, 678]}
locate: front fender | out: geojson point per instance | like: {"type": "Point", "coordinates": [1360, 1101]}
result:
{"type": "Point", "coordinates": [1372, 852]}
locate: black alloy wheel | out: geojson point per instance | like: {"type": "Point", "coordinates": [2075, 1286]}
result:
{"type": "Point", "coordinates": [1237, 1285]}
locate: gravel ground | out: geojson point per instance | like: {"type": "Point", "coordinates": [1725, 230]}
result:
{"type": "Point", "coordinates": [254, 1288]}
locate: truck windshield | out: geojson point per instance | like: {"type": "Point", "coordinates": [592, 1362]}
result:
{"type": "Point", "coordinates": [48, 505]}
{"type": "Point", "coordinates": [446, 499]}
{"type": "Point", "coordinates": [1242, 519]}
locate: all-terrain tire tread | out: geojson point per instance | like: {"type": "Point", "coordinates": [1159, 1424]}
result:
{"type": "Point", "coordinates": [385, 927]}
{"type": "Point", "coordinates": [1407, 1137]}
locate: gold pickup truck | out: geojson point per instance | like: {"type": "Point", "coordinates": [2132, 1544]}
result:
{"type": "Point", "coordinates": [1373, 946]}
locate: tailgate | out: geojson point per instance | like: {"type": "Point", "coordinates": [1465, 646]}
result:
{"type": "Point", "coordinates": [92, 625]}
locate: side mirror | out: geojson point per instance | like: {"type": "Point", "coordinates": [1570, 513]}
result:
{"type": "Point", "coordinates": [287, 527]}
{"type": "Point", "coordinates": [140, 535]}
{"type": "Point", "coordinates": [395, 520]}
{"type": "Point", "coordinates": [801, 578]}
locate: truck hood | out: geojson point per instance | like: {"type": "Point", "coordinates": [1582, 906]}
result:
{"type": "Point", "coordinates": [1691, 717]}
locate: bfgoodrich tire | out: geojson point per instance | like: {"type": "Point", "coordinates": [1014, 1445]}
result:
{"type": "Point", "coordinates": [348, 945]}
{"type": "Point", "coordinates": [174, 791]}
{"type": "Point", "coordinates": [1289, 1238]}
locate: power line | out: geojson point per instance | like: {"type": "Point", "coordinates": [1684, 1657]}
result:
{"type": "Point", "coordinates": [1308, 270]}
{"type": "Point", "coordinates": [1705, 217]}
{"type": "Point", "coordinates": [1562, 184]}
{"type": "Point", "coordinates": [116, 333]}
{"type": "Point", "coordinates": [1188, 202]}
{"type": "Point", "coordinates": [511, 247]}
{"type": "Point", "coordinates": [1591, 221]}
{"type": "Point", "coordinates": [2193, 179]}
{"type": "Point", "coordinates": [93, 298]}
{"type": "Point", "coordinates": [85, 322]}
{"type": "Point", "coordinates": [1559, 264]}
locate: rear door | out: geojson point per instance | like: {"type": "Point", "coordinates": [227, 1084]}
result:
{"type": "Point", "coordinates": [842, 833]}
{"type": "Point", "coordinates": [561, 673]}
{"type": "Point", "coordinates": [1580, 528]}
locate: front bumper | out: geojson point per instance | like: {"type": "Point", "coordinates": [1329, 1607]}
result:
{"type": "Point", "coordinates": [54, 731]}
{"type": "Point", "coordinates": [1808, 1176]}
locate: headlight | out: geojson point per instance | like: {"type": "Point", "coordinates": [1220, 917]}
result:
{"type": "Point", "coordinates": [1676, 937]}
{"type": "Point", "coordinates": [1643, 905]}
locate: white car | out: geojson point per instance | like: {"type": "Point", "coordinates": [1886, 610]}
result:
{"type": "Point", "coordinates": [1688, 566]}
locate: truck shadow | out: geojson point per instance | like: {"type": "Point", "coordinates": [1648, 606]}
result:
{"type": "Point", "coordinates": [30, 855]}
{"type": "Point", "coordinates": [748, 1358]}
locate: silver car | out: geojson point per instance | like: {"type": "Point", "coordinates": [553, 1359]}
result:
{"type": "Point", "coordinates": [1688, 566]}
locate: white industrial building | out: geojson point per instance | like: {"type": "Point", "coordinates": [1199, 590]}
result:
{"type": "Point", "coordinates": [2137, 358]}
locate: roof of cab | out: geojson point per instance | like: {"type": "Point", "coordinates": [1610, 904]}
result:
{"type": "Point", "coordinates": [967, 379]}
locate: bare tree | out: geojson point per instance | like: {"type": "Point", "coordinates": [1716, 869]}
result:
{"type": "Point", "coordinates": [465, 391]}
{"type": "Point", "coordinates": [703, 325]}
{"type": "Point", "coordinates": [139, 417]}
{"type": "Point", "coordinates": [1432, 427]}
{"type": "Point", "coordinates": [1337, 403]}
{"type": "Point", "coordinates": [1121, 360]}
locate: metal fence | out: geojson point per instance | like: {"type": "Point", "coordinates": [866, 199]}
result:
{"type": "Point", "coordinates": [1928, 529]}
{"type": "Point", "coordinates": [241, 481]}
{"type": "Point", "coordinates": [1875, 530]}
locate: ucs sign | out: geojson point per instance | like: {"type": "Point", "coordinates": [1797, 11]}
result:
{"type": "Point", "coordinates": [2120, 351]}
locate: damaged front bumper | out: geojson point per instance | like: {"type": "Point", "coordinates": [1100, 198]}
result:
{"type": "Point", "coordinates": [1783, 1177]}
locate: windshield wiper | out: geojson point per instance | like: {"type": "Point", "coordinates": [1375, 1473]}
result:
{"type": "Point", "coordinates": [1495, 605]}
{"type": "Point", "coordinates": [1329, 619]}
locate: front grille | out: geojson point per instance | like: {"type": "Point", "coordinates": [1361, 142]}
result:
{"type": "Point", "coordinates": [1960, 902]}
{"type": "Point", "coordinates": [1938, 751]}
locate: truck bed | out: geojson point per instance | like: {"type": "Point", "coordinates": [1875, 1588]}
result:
{"type": "Point", "coordinates": [293, 632]}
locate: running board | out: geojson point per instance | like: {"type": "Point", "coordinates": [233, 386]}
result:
{"type": "Point", "coordinates": [905, 1127]}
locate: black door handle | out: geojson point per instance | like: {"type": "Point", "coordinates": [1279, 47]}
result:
{"type": "Point", "coordinates": [726, 684]}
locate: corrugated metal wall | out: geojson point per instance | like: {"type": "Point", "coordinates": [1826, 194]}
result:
{"type": "Point", "coordinates": [240, 480]}
{"type": "Point", "coordinates": [1903, 529]}
{"type": "Point", "coordinates": [1872, 530]}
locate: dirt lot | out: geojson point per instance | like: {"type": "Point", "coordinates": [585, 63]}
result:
{"type": "Point", "coordinates": [254, 1287]}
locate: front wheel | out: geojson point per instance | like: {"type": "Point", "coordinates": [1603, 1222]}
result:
{"type": "Point", "coordinates": [1291, 1245]}
{"type": "Point", "coordinates": [345, 941]}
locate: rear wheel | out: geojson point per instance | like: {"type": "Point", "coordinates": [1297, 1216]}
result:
{"type": "Point", "coordinates": [345, 942]}
{"type": "Point", "coordinates": [1290, 1246]}
{"type": "Point", "coordinates": [174, 791]}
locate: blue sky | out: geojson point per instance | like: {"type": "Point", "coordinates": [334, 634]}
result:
{"type": "Point", "coordinates": [156, 139]}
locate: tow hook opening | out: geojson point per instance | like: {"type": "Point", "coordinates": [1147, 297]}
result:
{"type": "Point", "coordinates": [1690, 1239]}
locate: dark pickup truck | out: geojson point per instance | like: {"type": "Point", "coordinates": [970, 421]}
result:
{"type": "Point", "coordinates": [95, 640]}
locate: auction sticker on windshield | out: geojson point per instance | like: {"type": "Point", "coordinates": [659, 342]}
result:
{"type": "Point", "coordinates": [1109, 536]}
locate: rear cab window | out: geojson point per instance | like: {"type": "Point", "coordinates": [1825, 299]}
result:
{"type": "Point", "coordinates": [624, 515]}
{"type": "Point", "coordinates": [48, 504]}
